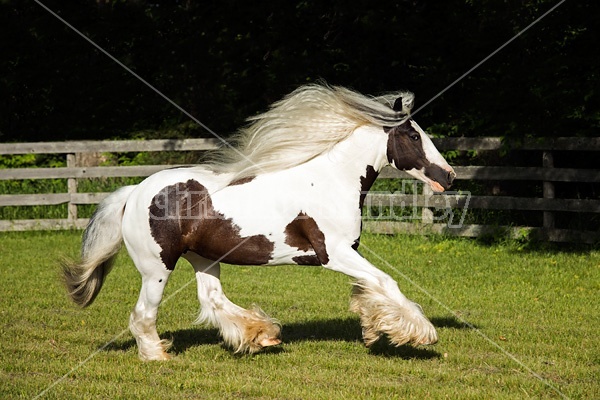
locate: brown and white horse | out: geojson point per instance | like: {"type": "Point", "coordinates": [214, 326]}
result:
{"type": "Point", "coordinates": [289, 192]}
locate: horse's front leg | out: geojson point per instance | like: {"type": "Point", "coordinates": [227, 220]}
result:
{"type": "Point", "coordinates": [383, 309]}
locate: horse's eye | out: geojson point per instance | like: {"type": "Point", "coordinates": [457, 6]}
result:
{"type": "Point", "coordinates": [414, 137]}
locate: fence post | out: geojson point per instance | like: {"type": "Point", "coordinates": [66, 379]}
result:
{"type": "Point", "coordinates": [71, 189]}
{"type": "Point", "coordinates": [548, 189]}
{"type": "Point", "coordinates": [426, 213]}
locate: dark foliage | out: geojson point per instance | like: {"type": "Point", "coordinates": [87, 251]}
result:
{"type": "Point", "coordinates": [223, 61]}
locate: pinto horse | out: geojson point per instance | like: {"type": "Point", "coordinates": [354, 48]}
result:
{"type": "Point", "coordinates": [289, 192]}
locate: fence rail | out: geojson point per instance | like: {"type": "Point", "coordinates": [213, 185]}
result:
{"type": "Point", "coordinates": [546, 174]}
{"type": "Point", "coordinates": [108, 146]}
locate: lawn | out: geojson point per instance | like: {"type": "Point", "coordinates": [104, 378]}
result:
{"type": "Point", "coordinates": [512, 323]}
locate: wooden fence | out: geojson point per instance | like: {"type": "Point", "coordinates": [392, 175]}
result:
{"type": "Point", "coordinates": [545, 173]}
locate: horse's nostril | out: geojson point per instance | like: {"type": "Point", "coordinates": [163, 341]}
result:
{"type": "Point", "coordinates": [451, 176]}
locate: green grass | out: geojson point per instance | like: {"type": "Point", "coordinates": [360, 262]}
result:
{"type": "Point", "coordinates": [542, 307]}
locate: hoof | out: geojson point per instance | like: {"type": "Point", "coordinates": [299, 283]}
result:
{"type": "Point", "coordinates": [156, 354]}
{"type": "Point", "coordinates": [258, 331]}
{"type": "Point", "coordinates": [267, 342]}
{"type": "Point", "coordinates": [429, 341]}
{"type": "Point", "coordinates": [268, 336]}
{"type": "Point", "coordinates": [380, 315]}
{"type": "Point", "coordinates": [155, 357]}
{"type": "Point", "coordinates": [164, 357]}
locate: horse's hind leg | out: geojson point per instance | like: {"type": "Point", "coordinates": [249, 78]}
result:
{"type": "Point", "coordinates": [142, 321]}
{"type": "Point", "coordinates": [243, 330]}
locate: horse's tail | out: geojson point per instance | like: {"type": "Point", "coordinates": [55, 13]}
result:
{"type": "Point", "coordinates": [101, 242]}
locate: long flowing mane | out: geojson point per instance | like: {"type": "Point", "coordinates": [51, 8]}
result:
{"type": "Point", "coordinates": [305, 124]}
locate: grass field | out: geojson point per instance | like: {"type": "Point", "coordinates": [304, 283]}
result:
{"type": "Point", "coordinates": [512, 324]}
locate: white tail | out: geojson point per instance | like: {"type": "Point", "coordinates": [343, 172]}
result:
{"type": "Point", "coordinates": [101, 241]}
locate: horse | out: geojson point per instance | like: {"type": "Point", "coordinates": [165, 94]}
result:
{"type": "Point", "coordinates": [289, 191]}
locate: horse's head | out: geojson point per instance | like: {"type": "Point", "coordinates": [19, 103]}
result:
{"type": "Point", "coordinates": [410, 149]}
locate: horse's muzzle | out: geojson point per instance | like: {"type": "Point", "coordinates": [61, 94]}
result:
{"type": "Point", "coordinates": [440, 175]}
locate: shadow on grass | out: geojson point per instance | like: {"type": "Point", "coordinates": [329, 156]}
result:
{"type": "Point", "coordinates": [182, 340]}
{"type": "Point", "coordinates": [451, 322]}
{"type": "Point", "coordinates": [337, 329]}
{"type": "Point", "coordinates": [384, 348]}
{"type": "Point", "coordinates": [571, 242]}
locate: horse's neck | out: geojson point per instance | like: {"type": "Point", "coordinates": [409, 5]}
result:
{"type": "Point", "coordinates": [362, 156]}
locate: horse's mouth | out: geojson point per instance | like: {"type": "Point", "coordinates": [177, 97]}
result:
{"type": "Point", "coordinates": [436, 187]}
{"type": "Point", "coordinates": [439, 178]}
{"type": "Point", "coordinates": [431, 181]}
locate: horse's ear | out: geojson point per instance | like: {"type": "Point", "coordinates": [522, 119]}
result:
{"type": "Point", "coordinates": [404, 103]}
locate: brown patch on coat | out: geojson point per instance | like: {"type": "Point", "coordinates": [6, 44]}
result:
{"type": "Point", "coordinates": [182, 218]}
{"type": "Point", "coordinates": [304, 234]}
{"type": "Point", "coordinates": [306, 260]}
{"type": "Point", "coordinates": [366, 182]}
{"type": "Point", "coordinates": [242, 181]}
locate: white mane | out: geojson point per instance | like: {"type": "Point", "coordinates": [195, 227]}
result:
{"type": "Point", "coordinates": [304, 124]}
